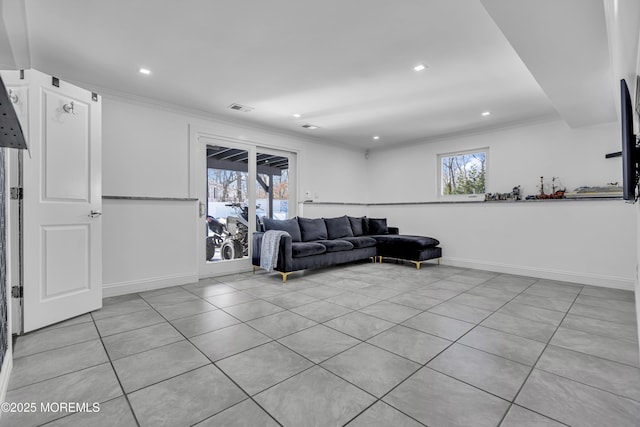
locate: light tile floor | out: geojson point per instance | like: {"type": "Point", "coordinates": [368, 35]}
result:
{"type": "Point", "coordinates": [362, 344]}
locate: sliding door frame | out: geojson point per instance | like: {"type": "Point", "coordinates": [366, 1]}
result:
{"type": "Point", "coordinates": [199, 138]}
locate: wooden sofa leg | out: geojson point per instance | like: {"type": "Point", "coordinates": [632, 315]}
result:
{"type": "Point", "coordinates": [284, 277]}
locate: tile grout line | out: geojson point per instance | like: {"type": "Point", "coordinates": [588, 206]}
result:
{"type": "Point", "coordinates": [589, 385]}
{"type": "Point", "coordinates": [213, 363]}
{"type": "Point", "coordinates": [322, 367]}
{"type": "Point", "coordinates": [533, 367]}
{"type": "Point", "coordinates": [449, 346]}
{"type": "Point", "coordinates": [421, 366]}
{"type": "Point", "coordinates": [115, 374]}
{"type": "Point", "coordinates": [18, 337]}
{"type": "Point", "coordinates": [313, 364]}
{"type": "Point", "coordinates": [424, 365]}
{"type": "Point", "coordinates": [395, 324]}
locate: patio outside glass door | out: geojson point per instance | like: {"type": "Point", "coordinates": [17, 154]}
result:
{"type": "Point", "coordinates": [238, 184]}
{"type": "Point", "coordinates": [273, 190]}
{"type": "Point", "coordinates": [228, 208]}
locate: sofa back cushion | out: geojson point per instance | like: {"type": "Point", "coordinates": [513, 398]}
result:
{"type": "Point", "coordinates": [377, 226]}
{"type": "Point", "coordinates": [289, 225]}
{"type": "Point", "coordinates": [338, 227]}
{"type": "Point", "coordinates": [312, 229]}
{"type": "Point", "coordinates": [357, 225]}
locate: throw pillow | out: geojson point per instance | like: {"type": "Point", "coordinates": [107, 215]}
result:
{"type": "Point", "coordinates": [289, 225]}
{"type": "Point", "coordinates": [312, 229]}
{"type": "Point", "coordinates": [356, 225]}
{"type": "Point", "coordinates": [338, 227]}
{"type": "Point", "coordinates": [378, 226]}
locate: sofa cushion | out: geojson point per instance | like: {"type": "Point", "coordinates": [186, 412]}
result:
{"type": "Point", "coordinates": [312, 229]}
{"type": "Point", "coordinates": [361, 241]}
{"type": "Point", "coordinates": [302, 249]}
{"type": "Point", "coordinates": [338, 227]}
{"type": "Point", "coordinates": [377, 226]}
{"type": "Point", "coordinates": [289, 225]}
{"type": "Point", "coordinates": [356, 225]}
{"type": "Point", "coordinates": [407, 242]}
{"type": "Point", "coordinates": [336, 245]}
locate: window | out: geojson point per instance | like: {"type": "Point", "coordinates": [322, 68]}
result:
{"type": "Point", "coordinates": [463, 173]}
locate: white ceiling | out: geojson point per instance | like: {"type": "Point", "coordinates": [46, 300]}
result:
{"type": "Point", "coordinates": [345, 65]}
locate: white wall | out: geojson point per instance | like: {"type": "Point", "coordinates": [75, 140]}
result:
{"type": "Point", "coordinates": [590, 242]}
{"type": "Point", "coordinates": [148, 243]}
{"type": "Point", "coordinates": [518, 156]}
{"type": "Point", "coordinates": [146, 153]}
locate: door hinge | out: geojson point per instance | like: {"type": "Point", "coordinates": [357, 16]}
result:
{"type": "Point", "coordinates": [55, 81]}
{"type": "Point", "coordinates": [16, 193]}
{"type": "Point", "coordinates": [16, 291]}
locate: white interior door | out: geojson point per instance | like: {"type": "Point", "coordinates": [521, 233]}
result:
{"type": "Point", "coordinates": [62, 231]}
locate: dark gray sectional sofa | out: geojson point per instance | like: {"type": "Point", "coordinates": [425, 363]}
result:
{"type": "Point", "coordinates": [321, 242]}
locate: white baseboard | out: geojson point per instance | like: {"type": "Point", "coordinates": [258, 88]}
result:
{"type": "Point", "coordinates": [122, 288]}
{"type": "Point", "coordinates": [7, 366]}
{"type": "Point", "coordinates": [544, 273]}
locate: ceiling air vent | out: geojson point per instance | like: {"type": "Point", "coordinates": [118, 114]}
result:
{"type": "Point", "coordinates": [309, 126]}
{"type": "Point", "coordinates": [240, 107]}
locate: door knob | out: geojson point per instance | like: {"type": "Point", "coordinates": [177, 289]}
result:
{"type": "Point", "coordinates": [94, 214]}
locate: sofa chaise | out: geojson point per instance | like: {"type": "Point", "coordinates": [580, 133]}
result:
{"type": "Point", "coordinates": [321, 242]}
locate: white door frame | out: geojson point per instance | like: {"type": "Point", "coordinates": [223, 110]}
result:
{"type": "Point", "coordinates": [13, 176]}
{"type": "Point", "coordinates": [199, 151]}
{"type": "Point", "coordinates": [198, 140]}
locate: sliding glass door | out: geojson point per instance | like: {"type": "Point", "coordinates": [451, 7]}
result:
{"type": "Point", "coordinates": [227, 209]}
{"type": "Point", "coordinates": [240, 184]}
{"type": "Point", "coordinates": [273, 185]}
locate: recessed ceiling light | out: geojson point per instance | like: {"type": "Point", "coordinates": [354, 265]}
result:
{"type": "Point", "coordinates": [486, 113]}
{"type": "Point", "coordinates": [310, 126]}
{"type": "Point", "coordinates": [144, 71]}
{"type": "Point", "coordinates": [297, 116]}
{"type": "Point", "coordinates": [419, 67]}
{"type": "Point", "coordinates": [376, 137]}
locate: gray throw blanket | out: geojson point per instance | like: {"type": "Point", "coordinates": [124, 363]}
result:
{"type": "Point", "coordinates": [269, 250]}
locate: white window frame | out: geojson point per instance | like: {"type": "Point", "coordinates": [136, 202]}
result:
{"type": "Point", "coordinates": [462, 197]}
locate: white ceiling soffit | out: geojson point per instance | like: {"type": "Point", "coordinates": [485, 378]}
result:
{"type": "Point", "coordinates": [344, 66]}
{"type": "Point", "coordinates": [564, 45]}
{"type": "Point", "coordinates": [623, 19]}
{"type": "Point", "coordinates": [14, 42]}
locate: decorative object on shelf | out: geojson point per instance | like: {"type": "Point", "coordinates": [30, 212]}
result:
{"type": "Point", "coordinates": [515, 194]}
{"type": "Point", "coordinates": [611, 190]}
{"type": "Point", "coordinates": [557, 190]}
